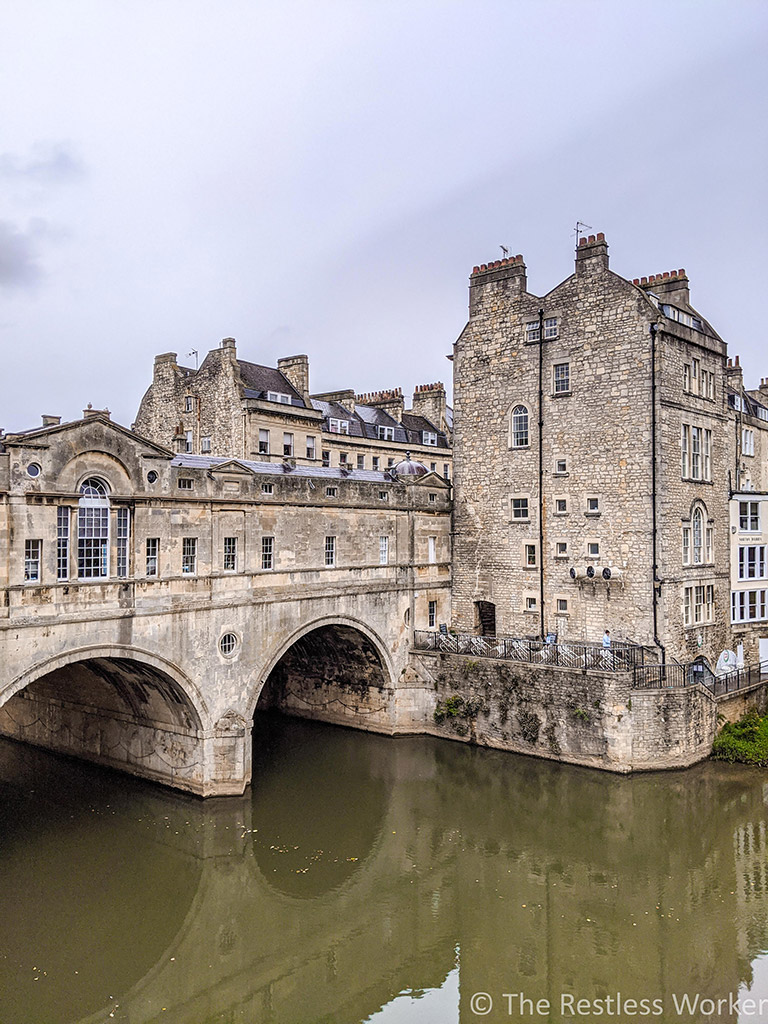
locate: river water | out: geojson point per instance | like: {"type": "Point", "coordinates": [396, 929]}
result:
{"type": "Point", "coordinates": [389, 881]}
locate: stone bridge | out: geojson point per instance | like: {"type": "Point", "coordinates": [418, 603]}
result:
{"type": "Point", "coordinates": [132, 652]}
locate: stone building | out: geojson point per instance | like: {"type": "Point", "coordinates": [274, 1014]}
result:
{"type": "Point", "coordinates": [749, 515]}
{"type": "Point", "coordinates": [592, 456]}
{"type": "Point", "coordinates": [232, 407]}
{"type": "Point", "coordinates": [150, 600]}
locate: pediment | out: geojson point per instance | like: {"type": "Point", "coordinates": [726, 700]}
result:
{"type": "Point", "coordinates": [232, 467]}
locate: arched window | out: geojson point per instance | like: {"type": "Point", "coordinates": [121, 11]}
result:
{"type": "Point", "coordinates": [697, 522]}
{"type": "Point", "coordinates": [519, 427]}
{"type": "Point", "coordinates": [93, 530]}
{"type": "Point", "coordinates": [698, 538]}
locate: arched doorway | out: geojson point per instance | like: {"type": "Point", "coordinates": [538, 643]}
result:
{"type": "Point", "coordinates": [333, 672]}
{"type": "Point", "coordinates": [115, 709]}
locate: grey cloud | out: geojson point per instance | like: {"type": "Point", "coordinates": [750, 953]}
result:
{"type": "Point", "coordinates": [19, 266]}
{"type": "Point", "coordinates": [47, 164]}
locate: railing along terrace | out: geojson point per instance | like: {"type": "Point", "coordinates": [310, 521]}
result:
{"type": "Point", "coordinates": [619, 657]}
{"type": "Point", "coordinates": [659, 677]}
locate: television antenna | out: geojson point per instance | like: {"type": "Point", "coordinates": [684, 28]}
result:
{"type": "Point", "coordinates": [578, 229]}
{"type": "Point", "coordinates": [194, 353]}
{"type": "Point", "coordinates": [505, 250]}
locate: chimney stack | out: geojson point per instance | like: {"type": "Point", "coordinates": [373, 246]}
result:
{"type": "Point", "coordinates": [501, 279]}
{"type": "Point", "coordinates": [51, 421]}
{"type": "Point", "coordinates": [592, 255]}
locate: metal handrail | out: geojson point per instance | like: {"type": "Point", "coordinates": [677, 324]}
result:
{"type": "Point", "coordinates": [665, 676]}
{"type": "Point", "coordinates": [619, 657]}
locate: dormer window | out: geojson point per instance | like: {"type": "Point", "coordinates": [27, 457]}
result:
{"type": "Point", "coordinates": [386, 433]}
{"type": "Point", "coordinates": [278, 396]}
{"type": "Point", "coordinates": [428, 437]}
{"type": "Point", "coordinates": [338, 426]}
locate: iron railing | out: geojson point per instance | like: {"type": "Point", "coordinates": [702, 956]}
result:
{"type": "Point", "coordinates": [660, 677]}
{"type": "Point", "coordinates": [619, 657]}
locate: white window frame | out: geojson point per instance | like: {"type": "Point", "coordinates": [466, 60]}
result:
{"type": "Point", "coordinates": [385, 433]}
{"type": "Point", "coordinates": [530, 559]}
{"type": "Point", "coordinates": [189, 440]}
{"type": "Point", "coordinates": [429, 437]}
{"type": "Point", "coordinates": [263, 441]}
{"type": "Point", "coordinates": [338, 426]}
{"type": "Point", "coordinates": [432, 614]}
{"type": "Point", "coordinates": [561, 377]}
{"type": "Point", "coordinates": [123, 541]}
{"type": "Point", "coordinates": [550, 328]}
{"type": "Point", "coordinates": [519, 424]}
{"type": "Point", "coordinates": [533, 331]}
{"type": "Point", "coordinates": [593, 544]}
{"type": "Point", "coordinates": [384, 550]}
{"type": "Point", "coordinates": [749, 605]}
{"type": "Point", "coordinates": [63, 525]}
{"type": "Point", "coordinates": [93, 530]}
{"type": "Point", "coordinates": [229, 561]}
{"type": "Point", "coordinates": [152, 556]}
{"type": "Point", "coordinates": [278, 396]}
{"type": "Point", "coordinates": [205, 444]}
{"type": "Point", "coordinates": [310, 446]}
{"type": "Point", "coordinates": [189, 556]}
{"type": "Point", "coordinates": [432, 550]}
{"type": "Point", "coordinates": [287, 444]}
{"type": "Point", "coordinates": [330, 551]}
{"type": "Point", "coordinates": [749, 516]}
{"type": "Point", "coordinates": [752, 562]}
{"type": "Point", "coordinates": [521, 511]}
{"type": "Point", "coordinates": [267, 553]}
{"type": "Point", "coordinates": [33, 560]}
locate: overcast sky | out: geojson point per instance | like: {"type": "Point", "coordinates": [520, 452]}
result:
{"type": "Point", "coordinates": [321, 177]}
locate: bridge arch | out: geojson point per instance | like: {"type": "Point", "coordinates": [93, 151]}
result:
{"type": "Point", "coordinates": [115, 705]}
{"type": "Point", "coordinates": [335, 668]}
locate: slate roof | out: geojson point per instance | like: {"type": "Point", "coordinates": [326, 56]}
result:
{"type": "Point", "coordinates": [258, 380]}
{"type": "Point", "coordinates": [366, 419]}
{"type": "Point", "coordinates": [276, 468]}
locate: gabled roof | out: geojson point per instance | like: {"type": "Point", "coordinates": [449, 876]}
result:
{"type": "Point", "coordinates": [39, 435]}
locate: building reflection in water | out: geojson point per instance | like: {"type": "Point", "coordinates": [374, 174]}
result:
{"type": "Point", "coordinates": [365, 878]}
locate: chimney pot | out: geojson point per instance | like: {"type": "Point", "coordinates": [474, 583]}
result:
{"type": "Point", "coordinates": [582, 241]}
{"type": "Point", "coordinates": [591, 238]}
{"type": "Point", "coordinates": [600, 236]}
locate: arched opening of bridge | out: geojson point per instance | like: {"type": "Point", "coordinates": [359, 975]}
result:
{"type": "Point", "coordinates": [114, 711]}
{"type": "Point", "coordinates": [333, 673]}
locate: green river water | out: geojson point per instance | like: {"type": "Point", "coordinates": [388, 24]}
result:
{"type": "Point", "coordinates": [363, 878]}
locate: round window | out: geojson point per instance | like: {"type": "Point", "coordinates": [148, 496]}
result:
{"type": "Point", "coordinates": [33, 469]}
{"type": "Point", "coordinates": [228, 644]}
{"type": "Point", "coordinates": [152, 476]}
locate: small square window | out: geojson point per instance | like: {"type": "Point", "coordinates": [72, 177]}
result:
{"type": "Point", "coordinates": [519, 508]}
{"type": "Point", "coordinates": [383, 496]}
{"type": "Point", "coordinates": [185, 483]}
{"type": "Point", "coordinates": [331, 492]}
{"type": "Point", "coordinates": [267, 488]}
{"type": "Point", "coordinates": [593, 505]}
{"type": "Point", "coordinates": [561, 506]}
{"type": "Point", "coordinates": [561, 465]}
{"type": "Point", "coordinates": [562, 548]}
{"type": "Point", "coordinates": [562, 604]}
{"type": "Point", "coordinates": [432, 498]}
{"type": "Point", "coordinates": [530, 604]}
{"type": "Point", "coordinates": [593, 549]}
{"type": "Point", "coordinates": [532, 331]}
{"type": "Point", "coordinates": [550, 327]}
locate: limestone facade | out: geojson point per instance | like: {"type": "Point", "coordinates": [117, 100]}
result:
{"type": "Point", "coordinates": [244, 410]}
{"type": "Point", "coordinates": [147, 597]}
{"type": "Point", "coordinates": [591, 427]}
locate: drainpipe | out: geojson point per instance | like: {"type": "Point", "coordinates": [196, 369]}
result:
{"type": "Point", "coordinates": [541, 474]}
{"type": "Point", "coordinates": [654, 498]}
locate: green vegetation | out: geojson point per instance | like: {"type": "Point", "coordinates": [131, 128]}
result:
{"type": "Point", "coordinates": [745, 740]}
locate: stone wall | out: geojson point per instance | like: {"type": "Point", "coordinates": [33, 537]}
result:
{"type": "Point", "coordinates": [588, 718]}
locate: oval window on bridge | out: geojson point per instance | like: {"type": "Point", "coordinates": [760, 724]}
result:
{"type": "Point", "coordinates": [228, 644]}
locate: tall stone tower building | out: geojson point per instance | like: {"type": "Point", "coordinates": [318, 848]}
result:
{"type": "Point", "coordinates": [591, 460]}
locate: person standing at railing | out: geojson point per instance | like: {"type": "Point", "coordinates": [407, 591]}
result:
{"type": "Point", "coordinates": [608, 659]}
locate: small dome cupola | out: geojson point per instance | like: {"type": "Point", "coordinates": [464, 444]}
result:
{"type": "Point", "coordinates": [410, 468]}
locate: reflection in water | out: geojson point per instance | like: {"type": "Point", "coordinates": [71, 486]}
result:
{"type": "Point", "coordinates": [370, 879]}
